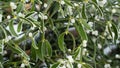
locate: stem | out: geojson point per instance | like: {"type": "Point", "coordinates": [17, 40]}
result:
{"type": "Point", "coordinates": [94, 54]}
{"type": "Point", "coordinates": [81, 50]}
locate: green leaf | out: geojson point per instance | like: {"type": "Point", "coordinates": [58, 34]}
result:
{"type": "Point", "coordinates": [18, 40]}
{"type": "Point", "coordinates": [1, 65]}
{"type": "Point", "coordinates": [22, 52]}
{"type": "Point", "coordinates": [94, 1]}
{"type": "Point", "coordinates": [18, 50]}
{"type": "Point", "coordinates": [39, 51]}
{"type": "Point", "coordinates": [19, 7]}
{"type": "Point", "coordinates": [33, 53]}
{"type": "Point", "coordinates": [84, 11]}
{"type": "Point", "coordinates": [110, 31]}
{"type": "Point", "coordinates": [34, 44]}
{"type": "Point", "coordinates": [86, 65]}
{"type": "Point", "coordinates": [29, 14]}
{"type": "Point", "coordinates": [70, 64]}
{"type": "Point", "coordinates": [48, 48]}
{"type": "Point", "coordinates": [19, 27]}
{"type": "Point", "coordinates": [43, 49]}
{"type": "Point", "coordinates": [61, 42]}
{"type": "Point", "coordinates": [99, 8]}
{"type": "Point", "coordinates": [74, 43]}
{"type": "Point", "coordinates": [11, 27]}
{"type": "Point", "coordinates": [1, 47]}
{"type": "Point", "coordinates": [84, 22]}
{"type": "Point", "coordinates": [54, 6]}
{"type": "Point", "coordinates": [115, 30]}
{"type": "Point", "coordinates": [68, 2]}
{"type": "Point", "coordinates": [81, 31]}
{"type": "Point", "coordinates": [27, 20]}
{"type": "Point", "coordinates": [4, 31]}
{"type": "Point", "coordinates": [51, 23]}
{"type": "Point", "coordinates": [55, 65]}
{"type": "Point", "coordinates": [77, 52]}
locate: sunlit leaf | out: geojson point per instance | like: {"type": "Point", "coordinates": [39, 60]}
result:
{"type": "Point", "coordinates": [11, 27]}
{"type": "Point", "coordinates": [87, 65]}
{"type": "Point", "coordinates": [84, 11]}
{"type": "Point", "coordinates": [55, 65]}
{"type": "Point", "coordinates": [61, 42]}
{"type": "Point", "coordinates": [29, 14]}
{"type": "Point", "coordinates": [1, 65]}
{"type": "Point", "coordinates": [84, 22]}
{"type": "Point", "coordinates": [19, 27]}
{"type": "Point", "coordinates": [48, 48]}
{"type": "Point", "coordinates": [94, 1]}
{"type": "Point", "coordinates": [99, 9]}
{"type": "Point", "coordinates": [19, 7]}
{"type": "Point", "coordinates": [81, 31]}
{"type": "Point", "coordinates": [34, 44]}
{"type": "Point", "coordinates": [4, 31]}
{"type": "Point", "coordinates": [115, 30]}
{"type": "Point", "coordinates": [39, 51]}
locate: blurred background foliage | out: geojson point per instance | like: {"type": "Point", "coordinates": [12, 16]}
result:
{"type": "Point", "coordinates": [59, 33]}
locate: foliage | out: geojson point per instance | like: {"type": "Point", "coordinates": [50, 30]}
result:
{"type": "Point", "coordinates": [59, 33]}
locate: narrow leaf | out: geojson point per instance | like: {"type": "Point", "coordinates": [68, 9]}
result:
{"type": "Point", "coordinates": [61, 42]}
{"type": "Point", "coordinates": [4, 31]}
{"type": "Point", "coordinates": [33, 54]}
{"type": "Point", "coordinates": [114, 27]}
{"type": "Point", "coordinates": [19, 27]}
{"type": "Point", "coordinates": [34, 44]}
{"type": "Point", "coordinates": [94, 1]}
{"type": "Point", "coordinates": [39, 51]}
{"type": "Point", "coordinates": [81, 31]}
{"type": "Point", "coordinates": [110, 31]}
{"type": "Point", "coordinates": [48, 48]}
{"type": "Point", "coordinates": [84, 11]}
{"type": "Point", "coordinates": [74, 43]}
{"type": "Point", "coordinates": [99, 9]}
{"type": "Point", "coordinates": [19, 7]}
{"type": "Point", "coordinates": [29, 14]}
{"type": "Point", "coordinates": [87, 65]}
{"type": "Point", "coordinates": [11, 27]}
{"type": "Point", "coordinates": [84, 22]}
{"type": "Point", "coordinates": [68, 2]}
{"type": "Point", "coordinates": [1, 65]}
{"type": "Point", "coordinates": [55, 65]}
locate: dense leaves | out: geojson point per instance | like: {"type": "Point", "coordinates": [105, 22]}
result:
{"type": "Point", "coordinates": [59, 33]}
